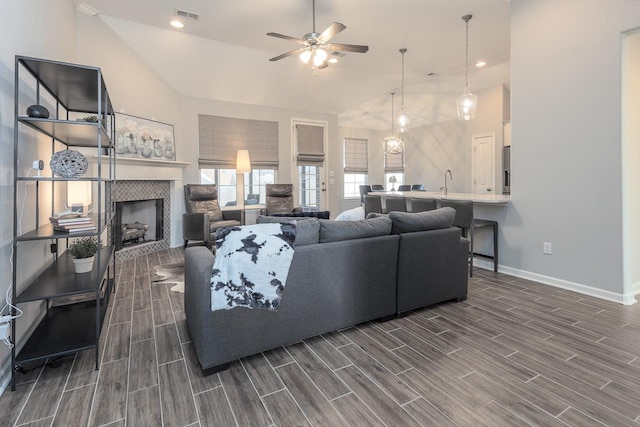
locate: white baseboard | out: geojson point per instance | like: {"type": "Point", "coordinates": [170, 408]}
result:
{"type": "Point", "coordinates": [626, 299]}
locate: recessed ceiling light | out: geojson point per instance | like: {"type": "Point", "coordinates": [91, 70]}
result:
{"type": "Point", "coordinates": [481, 63]}
{"type": "Point", "coordinates": [176, 24]}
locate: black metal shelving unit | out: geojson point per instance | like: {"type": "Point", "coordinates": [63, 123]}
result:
{"type": "Point", "coordinates": [75, 325]}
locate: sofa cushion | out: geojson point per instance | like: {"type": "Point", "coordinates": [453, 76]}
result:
{"type": "Point", "coordinates": [406, 222]}
{"type": "Point", "coordinates": [307, 229]}
{"type": "Point", "coordinates": [333, 231]}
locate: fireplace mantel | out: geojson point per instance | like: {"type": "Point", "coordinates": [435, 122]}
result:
{"type": "Point", "coordinates": [142, 170]}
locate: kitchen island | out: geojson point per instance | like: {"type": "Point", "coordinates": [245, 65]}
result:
{"type": "Point", "coordinates": [477, 199]}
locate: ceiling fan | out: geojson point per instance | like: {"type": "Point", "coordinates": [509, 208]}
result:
{"type": "Point", "coordinates": [316, 45]}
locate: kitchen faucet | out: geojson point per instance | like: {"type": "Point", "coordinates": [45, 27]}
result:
{"type": "Point", "coordinates": [444, 189]}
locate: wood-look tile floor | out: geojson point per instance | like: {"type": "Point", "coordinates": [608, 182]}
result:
{"type": "Point", "coordinates": [515, 353]}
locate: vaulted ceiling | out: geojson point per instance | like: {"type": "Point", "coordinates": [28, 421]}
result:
{"type": "Point", "coordinates": [225, 54]}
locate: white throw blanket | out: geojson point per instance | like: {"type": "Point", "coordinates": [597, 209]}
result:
{"type": "Point", "coordinates": [251, 265]}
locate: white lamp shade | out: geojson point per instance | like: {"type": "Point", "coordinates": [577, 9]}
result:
{"type": "Point", "coordinates": [467, 104]}
{"type": "Point", "coordinates": [243, 163]}
{"type": "Point", "coordinates": [403, 121]}
{"type": "Point", "coordinates": [305, 56]}
{"type": "Point", "coordinates": [78, 193]}
{"type": "Point", "coordinates": [320, 55]}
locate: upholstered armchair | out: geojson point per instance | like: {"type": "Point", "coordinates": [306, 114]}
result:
{"type": "Point", "coordinates": [204, 216]}
{"type": "Point", "coordinates": [279, 200]}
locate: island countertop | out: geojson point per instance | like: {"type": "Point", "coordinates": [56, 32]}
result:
{"type": "Point", "coordinates": [483, 199]}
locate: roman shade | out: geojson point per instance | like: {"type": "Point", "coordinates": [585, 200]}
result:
{"type": "Point", "coordinates": [222, 137]}
{"type": "Point", "coordinates": [355, 156]}
{"type": "Point", "coordinates": [394, 162]}
{"type": "Point", "coordinates": [310, 140]}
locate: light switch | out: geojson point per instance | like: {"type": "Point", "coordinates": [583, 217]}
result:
{"type": "Point", "coordinates": [331, 173]}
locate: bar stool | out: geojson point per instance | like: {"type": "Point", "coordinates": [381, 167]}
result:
{"type": "Point", "coordinates": [404, 187]}
{"type": "Point", "coordinates": [372, 204]}
{"type": "Point", "coordinates": [421, 205]}
{"type": "Point", "coordinates": [398, 204]}
{"type": "Point", "coordinates": [465, 220]}
{"type": "Point", "coordinates": [417, 187]}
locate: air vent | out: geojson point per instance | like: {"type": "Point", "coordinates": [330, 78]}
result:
{"type": "Point", "coordinates": [189, 15]}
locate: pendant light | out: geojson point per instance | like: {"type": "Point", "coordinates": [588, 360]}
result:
{"type": "Point", "coordinates": [467, 102]}
{"type": "Point", "coordinates": [403, 119]}
{"type": "Point", "coordinates": [393, 144]}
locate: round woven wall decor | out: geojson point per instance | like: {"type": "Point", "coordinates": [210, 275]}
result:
{"type": "Point", "coordinates": [68, 163]}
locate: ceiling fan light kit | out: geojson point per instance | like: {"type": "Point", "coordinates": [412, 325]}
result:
{"type": "Point", "coordinates": [316, 47]}
{"type": "Point", "coordinates": [467, 102]}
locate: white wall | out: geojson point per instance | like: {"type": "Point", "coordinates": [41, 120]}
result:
{"type": "Point", "coordinates": [39, 29]}
{"type": "Point", "coordinates": [631, 160]}
{"type": "Point", "coordinates": [135, 89]}
{"type": "Point", "coordinates": [566, 128]}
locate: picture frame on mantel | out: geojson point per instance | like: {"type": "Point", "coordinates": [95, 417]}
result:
{"type": "Point", "coordinates": [144, 139]}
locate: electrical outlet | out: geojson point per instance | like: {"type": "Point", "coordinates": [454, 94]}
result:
{"type": "Point", "coordinates": [546, 248]}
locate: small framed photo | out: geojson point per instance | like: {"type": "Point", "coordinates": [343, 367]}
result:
{"type": "Point", "coordinates": [141, 138]}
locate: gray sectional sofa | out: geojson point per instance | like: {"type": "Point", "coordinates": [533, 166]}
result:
{"type": "Point", "coordinates": [343, 273]}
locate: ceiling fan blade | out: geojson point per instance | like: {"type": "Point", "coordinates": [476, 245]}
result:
{"type": "Point", "coordinates": [284, 55]}
{"type": "Point", "coordinates": [282, 36]}
{"type": "Point", "coordinates": [330, 32]}
{"type": "Point", "coordinates": [341, 47]}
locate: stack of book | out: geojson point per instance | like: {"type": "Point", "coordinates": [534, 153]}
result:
{"type": "Point", "coordinates": [75, 224]}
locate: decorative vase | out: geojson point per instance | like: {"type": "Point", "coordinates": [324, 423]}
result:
{"type": "Point", "coordinates": [83, 265]}
{"type": "Point", "coordinates": [38, 111]}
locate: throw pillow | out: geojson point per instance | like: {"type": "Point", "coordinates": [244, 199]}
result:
{"type": "Point", "coordinates": [334, 231]}
{"type": "Point", "coordinates": [407, 222]}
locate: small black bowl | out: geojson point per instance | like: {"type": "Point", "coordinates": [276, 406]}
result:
{"type": "Point", "coordinates": [38, 111]}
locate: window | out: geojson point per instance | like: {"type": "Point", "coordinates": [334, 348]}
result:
{"type": "Point", "coordinates": [309, 177]}
{"type": "Point", "coordinates": [352, 183]}
{"type": "Point", "coordinates": [393, 166]}
{"type": "Point", "coordinates": [356, 166]}
{"type": "Point", "coordinates": [254, 189]}
{"type": "Point", "coordinates": [309, 140]}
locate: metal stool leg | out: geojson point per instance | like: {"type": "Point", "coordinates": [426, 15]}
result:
{"type": "Point", "coordinates": [495, 247]}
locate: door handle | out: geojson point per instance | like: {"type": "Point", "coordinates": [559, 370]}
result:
{"type": "Point", "coordinates": [488, 189]}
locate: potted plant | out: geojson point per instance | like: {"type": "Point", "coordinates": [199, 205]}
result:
{"type": "Point", "coordinates": [83, 251]}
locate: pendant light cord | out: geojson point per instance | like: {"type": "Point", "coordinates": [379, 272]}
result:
{"type": "Point", "coordinates": [392, 133]}
{"type": "Point", "coordinates": [466, 19]}
{"type": "Point", "coordinates": [403, 50]}
{"type": "Point", "coordinates": [466, 58]}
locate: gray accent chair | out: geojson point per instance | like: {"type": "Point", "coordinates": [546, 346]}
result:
{"type": "Point", "coordinates": [422, 205]}
{"type": "Point", "coordinates": [377, 187]}
{"type": "Point", "coordinates": [364, 190]}
{"type": "Point", "coordinates": [279, 200]}
{"type": "Point", "coordinates": [395, 204]}
{"type": "Point", "coordinates": [372, 204]}
{"type": "Point", "coordinates": [464, 219]}
{"type": "Point", "coordinates": [203, 214]}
